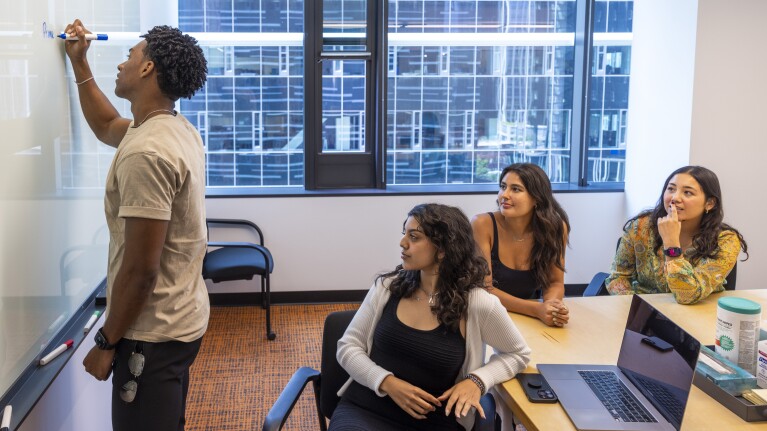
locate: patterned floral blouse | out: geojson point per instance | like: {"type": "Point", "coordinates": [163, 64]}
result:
{"type": "Point", "coordinates": [638, 269]}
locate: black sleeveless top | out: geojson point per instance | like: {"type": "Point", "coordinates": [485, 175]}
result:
{"type": "Point", "coordinates": [430, 360]}
{"type": "Point", "coordinates": [512, 281]}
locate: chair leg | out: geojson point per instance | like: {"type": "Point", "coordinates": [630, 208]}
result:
{"type": "Point", "coordinates": [267, 297]}
{"type": "Point", "coordinates": [263, 291]}
{"type": "Point", "coordinates": [321, 417]}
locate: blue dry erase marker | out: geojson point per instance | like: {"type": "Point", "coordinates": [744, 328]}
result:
{"type": "Point", "coordinates": [89, 36]}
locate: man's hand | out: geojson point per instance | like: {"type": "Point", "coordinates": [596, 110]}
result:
{"type": "Point", "coordinates": [77, 49]}
{"type": "Point", "coordinates": [413, 400]}
{"type": "Point", "coordinates": [464, 395]}
{"type": "Point", "coordinates": [98, 363]}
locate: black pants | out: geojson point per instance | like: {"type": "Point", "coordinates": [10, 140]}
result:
{"type": "Point", "coordinates": [160, 403]}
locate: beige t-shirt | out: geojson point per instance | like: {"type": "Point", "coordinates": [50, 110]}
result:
{"type": "Point", "coordinates": [158, 173]}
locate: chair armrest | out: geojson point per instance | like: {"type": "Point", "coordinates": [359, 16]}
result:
{"type": "Point", "coordinates": [281, 409]}
{"type": "Point", "coordinates": [488, 423]}
{"type": "Point", "coordinates": [597, 285]}
{"type": "Point", "coordinates": [260, 248]}
{"type": "Point", "coordinates": [238, 222]}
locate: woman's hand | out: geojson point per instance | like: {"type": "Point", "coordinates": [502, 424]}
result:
{"type": "Point", "coordinates": [413, 400]}
{"type": "Point", "coordinates": [554, 312]}
{"type": "Point", "coordinates": [670, 228]}
{"type": "Point", "coordinates": [464, 395]}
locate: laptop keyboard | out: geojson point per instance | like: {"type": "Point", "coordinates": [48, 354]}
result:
{"type": "Point", "coordinates": [663, 397]}
{"type": "Point", "coordinates": [616, 397]}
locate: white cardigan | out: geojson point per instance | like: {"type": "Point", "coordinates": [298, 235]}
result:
{"type": "Point", "coordinates": [487, 322]}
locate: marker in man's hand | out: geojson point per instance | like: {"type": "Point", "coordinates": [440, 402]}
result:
{"type": "Point", "coordinates": [54, 354]}
{"type": "Point", "coordinates": [89, 36]}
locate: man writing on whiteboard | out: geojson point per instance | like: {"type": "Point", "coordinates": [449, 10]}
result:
{"type": "Point", "coordinates": [157, 303]}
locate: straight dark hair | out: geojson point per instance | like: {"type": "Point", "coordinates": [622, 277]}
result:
{"type": "Point", "coordinates": [550, 224]}
{"type": "Point", "coordinates": [706, 241]}
{"type": "Point", "coordinates": [461, 269]}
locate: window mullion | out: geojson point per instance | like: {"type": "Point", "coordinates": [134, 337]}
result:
{"type": "Point", "coordinates": [584, 25]}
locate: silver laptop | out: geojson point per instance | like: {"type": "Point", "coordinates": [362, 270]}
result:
{"type": "Point", "coordinates": [647, 390]}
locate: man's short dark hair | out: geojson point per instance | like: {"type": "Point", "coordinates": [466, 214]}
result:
{"type": "Point", "coordinates": [181, 65]}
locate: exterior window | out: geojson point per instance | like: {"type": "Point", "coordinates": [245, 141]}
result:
{"type": "Point", "coordinates": [481, 85]}
{"type": "Point", "coordinates": [250, 113]}
{"type": "Point", "coordinates": [471, 86]}
{"type": "Point", "coordinates": [610, 73]}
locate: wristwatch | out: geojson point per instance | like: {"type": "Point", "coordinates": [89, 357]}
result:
{"type": "Point", "coordinates": [101, 341]}
{"type": "Point", "coordinates": [673, 251]}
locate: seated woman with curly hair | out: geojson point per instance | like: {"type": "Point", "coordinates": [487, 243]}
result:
{"type": "Point", "coordinates": [415, 349]}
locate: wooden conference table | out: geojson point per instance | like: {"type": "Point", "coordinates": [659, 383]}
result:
{"type": "Point", "coordinates": [594, 336]}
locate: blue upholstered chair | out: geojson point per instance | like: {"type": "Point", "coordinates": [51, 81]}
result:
{"type": "Point", "coordinates": [228, 261]}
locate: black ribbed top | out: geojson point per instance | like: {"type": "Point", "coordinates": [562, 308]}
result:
{"type": "Point", "coordinates": [512, 281]}
{"type": "Point", "coordinates": [430, 360]}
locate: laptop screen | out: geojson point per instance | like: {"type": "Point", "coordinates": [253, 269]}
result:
{"type": "Point", "coordinates": [659, 357]}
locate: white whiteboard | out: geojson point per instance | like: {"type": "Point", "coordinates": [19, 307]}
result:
{"type": "Point", "coordinates": [53, 239]}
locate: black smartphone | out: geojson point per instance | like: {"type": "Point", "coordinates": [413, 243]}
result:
{"type": "Point", "coordinates": [658, 343]}
{"type": "Point", "coordinates": [536, 388]}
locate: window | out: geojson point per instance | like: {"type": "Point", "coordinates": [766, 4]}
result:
{"type": "Point", "coordinates": [464, 88]}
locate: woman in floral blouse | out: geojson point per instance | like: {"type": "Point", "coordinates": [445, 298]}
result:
{"type": "Point", "coordinates": [681, 246]}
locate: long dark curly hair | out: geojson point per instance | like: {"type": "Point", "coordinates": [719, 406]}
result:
{"type": "Point", "coordinates": [461, 269]}
{"type": "Point", "coordinates": [706, 241]}
{"type": "Point", "coordinates": [550, 224]}
{"type": "Point", "coordinates": [181, 65]}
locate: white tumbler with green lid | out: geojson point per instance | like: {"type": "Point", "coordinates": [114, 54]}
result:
{"type": "Point", "coordinates": [737, 331]}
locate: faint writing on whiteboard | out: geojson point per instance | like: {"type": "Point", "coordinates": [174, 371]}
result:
{"type": "Point", "coordinates": [14, 88]}
{"type": "Point", "coordinates": [47, 33]}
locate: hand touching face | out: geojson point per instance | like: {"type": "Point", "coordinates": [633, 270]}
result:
{"type": "Point", "coordinates": [685, 202]}
{"type": "Point", "coordinates": [670, 228]}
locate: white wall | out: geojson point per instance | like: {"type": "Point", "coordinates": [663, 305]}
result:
{"type": "Point", "coordinates": [728, 112]}
{"type": "Point", "coordinates": [660, 97]}
{"type": "Point", "coordinates": [341, 243]}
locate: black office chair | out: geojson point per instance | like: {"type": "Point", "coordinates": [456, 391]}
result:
{"type": "Point", "coordinates": [241, 261]}
{"type": "Point", "coordinates": [731, 278]}
{"type": "Point", "coordinates": [332, 376]}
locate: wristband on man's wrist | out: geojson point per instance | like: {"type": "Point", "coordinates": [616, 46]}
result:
{"type": "Point", "coordinates": [477, 381]}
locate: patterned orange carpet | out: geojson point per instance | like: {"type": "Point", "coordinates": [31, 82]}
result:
{"type": "Point", "coordinates": [239, 374]}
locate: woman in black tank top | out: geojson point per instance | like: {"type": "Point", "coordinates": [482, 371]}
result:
{"type": "Point", "coordinates": [415, 350]}
{"type": "Point", "coordinates": [524, 243]}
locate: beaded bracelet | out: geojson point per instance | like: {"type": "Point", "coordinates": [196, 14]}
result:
{"type": "Point", "coordinates": [477, 381]}
{"type": "Point", "coordinates": [83, 81]}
